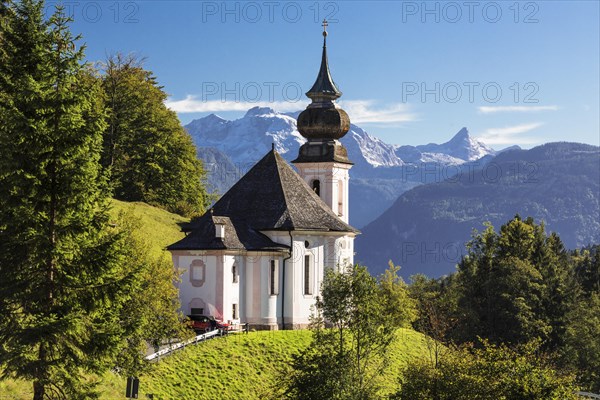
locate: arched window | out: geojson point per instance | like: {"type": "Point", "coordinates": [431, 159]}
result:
{"type": "Point", "coordinates": [316, 186]}
{"type": "Point", "coordinates": [197, 306]}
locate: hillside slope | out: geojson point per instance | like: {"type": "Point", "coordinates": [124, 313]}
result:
{"type": "Point", "coordinates": [426, 229]}
{"type": "Point", "coordinates": [234, 367]}
{"type": "Point", "coordinates": [159, 227]}
{"type": "Point", "coordinates": [237, 366]}
{"type": "Point", "coordinates": [246, 366]}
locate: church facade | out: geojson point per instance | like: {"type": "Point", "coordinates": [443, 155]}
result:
{"type": "Point", "coordinates": [258, 255]}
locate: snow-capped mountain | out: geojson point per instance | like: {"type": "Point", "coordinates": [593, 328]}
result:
{"type": "Point", "coordinates": [374, 151]}
{"type": "Point", "coordinates": [247, 138]}
{"type": "Point", "coordinates": [426, 229]}
{"type": "Point", "coordinates": [460, 147]}
{"type": "Point", "coordinates": [378, 170]}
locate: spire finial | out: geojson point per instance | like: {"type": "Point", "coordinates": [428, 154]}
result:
{"type": "Point", "coordinates": [324, 90]}
{"type": "Point", "coordinates": [323, 119]}
{"type": "Point", "coordinates": [273, 146]}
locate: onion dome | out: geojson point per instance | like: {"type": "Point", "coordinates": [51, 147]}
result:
{"type": "Point", "coordinates": [323, 119]}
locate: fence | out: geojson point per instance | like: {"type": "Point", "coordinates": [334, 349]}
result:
{"type": "Point", "coordinates": [586, 395]}
{"type": "Point", "coordinates": [181, 345]}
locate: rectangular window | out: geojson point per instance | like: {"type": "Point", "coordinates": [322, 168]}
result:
{"type": "Point", "coordinates": [235, 311]}
{"type": "Point", "coordinates": [307, 275]}
{"type": "Point", "coordinates": [197, 311]}
{"type": "Point", "coordinates": [340, 198]}
{"type": "Point", "coordinates": [234, 272]}
{"type": "Point", "coordinates": [273, 278]}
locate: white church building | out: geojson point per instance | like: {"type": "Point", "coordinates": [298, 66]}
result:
{"type": "Point", "coordinates": [258, 255]}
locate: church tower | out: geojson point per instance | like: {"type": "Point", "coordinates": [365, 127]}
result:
{"type": "Point", "coordinates": [323, 161]}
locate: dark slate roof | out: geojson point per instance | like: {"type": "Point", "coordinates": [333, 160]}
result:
{"type": "Point", "coordinates": [237, 237]}
{"type": "Point", "coordinates": [272, 196]}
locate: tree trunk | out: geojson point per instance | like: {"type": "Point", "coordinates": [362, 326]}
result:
{"type": "Point", "coordinates": [38, 391]}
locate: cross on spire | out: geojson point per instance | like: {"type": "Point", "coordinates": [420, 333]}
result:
{"type": "Point", "coordinates": [324, 89]}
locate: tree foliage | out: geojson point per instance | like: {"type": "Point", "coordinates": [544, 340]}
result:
{"type": "Point", "coordinates": [151, 158]}
{"type": "Point", "coordinates": [79, 292]}
{"type": "Point", "coordinates": [151, 315]}
{"type": "Point", "coordinates": [437, 316]}
{"type": "Point", "coordinates": [487, 372]}
{"type": "Point", "coordinates": [515, 285]}
{"type": "Point", "coordinates": [355, 320]}
{"type": "Point", "coordinates": [581, 351]}
{"type": "Point", "coordinates": [63, 284]}
{"type": "Point", "coordinates": [581, 348]}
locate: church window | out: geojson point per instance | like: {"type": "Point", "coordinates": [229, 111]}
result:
{"type": "Point", "coordinates": [234, 272]}
{"type": "Point", "coordinates": [340, 198]}
{"type": "Point", "coordinates": [307, 275]}
{"type": "Point", "coordinates": [316, 186]}
{"type": "Point", "coordinates": [235, 311]}
{"type": "Point", "coordinates": [197, 306]}
{"type": "Point", "coordinates": [273, 278]}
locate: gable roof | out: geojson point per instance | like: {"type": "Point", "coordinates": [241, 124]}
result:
{"type": "Point", "coordinates": [272, 196]}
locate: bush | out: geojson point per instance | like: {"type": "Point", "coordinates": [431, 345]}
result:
{"type": "Point", "coordinates": [487, 373]}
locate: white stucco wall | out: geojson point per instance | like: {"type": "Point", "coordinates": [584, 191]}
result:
{"type": "Point", "coordinates": [335, 180]}
{"type": "Point", "coordinates": [206, 292]}
{"type": "Point", "coordinates": [256, 305]}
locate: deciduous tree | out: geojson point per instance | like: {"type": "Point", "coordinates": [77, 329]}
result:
{"type": "Point", "coordinates": [151, 158]}
{"type": "Point", "coordinates": [354, 322]}
{"type": "Point", "coordinates": [487, 372]}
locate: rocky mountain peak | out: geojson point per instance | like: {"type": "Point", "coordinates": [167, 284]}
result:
{"type": "Point", "coordinates": [259, 111]}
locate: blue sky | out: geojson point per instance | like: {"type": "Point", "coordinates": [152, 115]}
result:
{"type": "Point", "coordinates": [412, 72]}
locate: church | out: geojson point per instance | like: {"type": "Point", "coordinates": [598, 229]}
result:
{"type": "Point", "coordinates": [259, 254]}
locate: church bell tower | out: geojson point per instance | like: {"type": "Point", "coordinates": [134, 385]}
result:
{"type": "Point", "coordinates": [323, 161]}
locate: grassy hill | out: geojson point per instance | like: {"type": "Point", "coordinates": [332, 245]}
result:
{"type": "Point", "coordinates": [159, 227]}
{"type": "Point", "coordinates": [237, 367]}
{"type": "Point", "coordinates": [246, 366]}
{"type": "Point", "coordinates": [234, 367]}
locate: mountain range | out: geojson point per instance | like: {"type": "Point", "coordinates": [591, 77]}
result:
{"type": "Point", "coordinates": [418, 205]}
{"type": "Point", "coordinates": [381, 172]}
{"type": "Point", "coordinates": [426, 229]}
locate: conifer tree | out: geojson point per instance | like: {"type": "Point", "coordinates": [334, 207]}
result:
{"type": "Point", "coordinates": [515, 285]}
{"type": "Point", "coordinates": [62, 284]}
